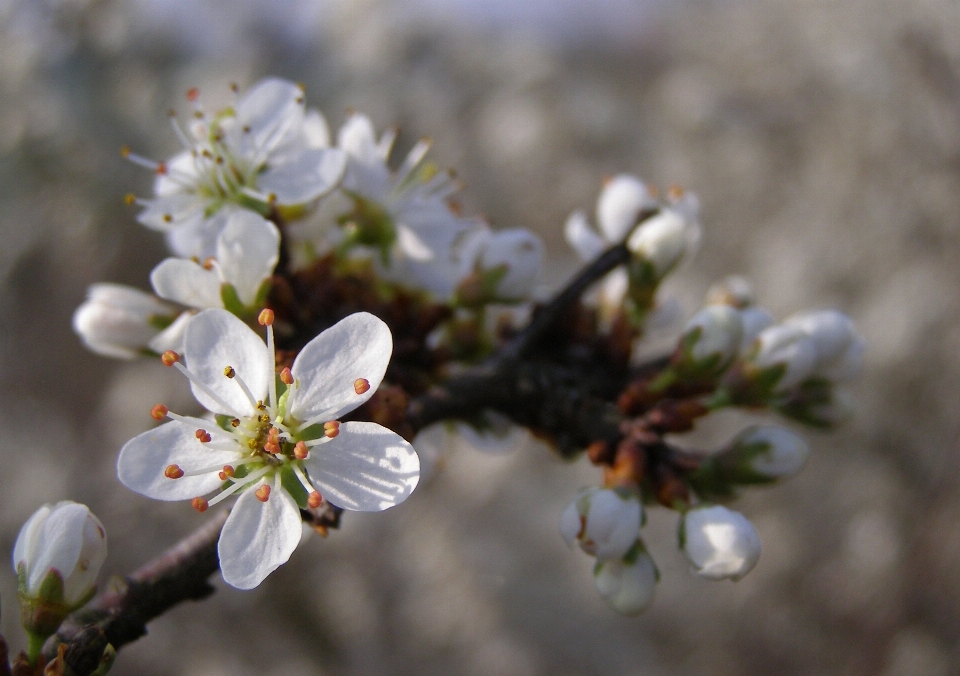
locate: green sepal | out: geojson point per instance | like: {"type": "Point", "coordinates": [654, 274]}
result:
{"type": "Point", "coordinates": [224, 422]}
{"type": "Point", "coordinates": [160, 322]}
{"type": "Point", "coordinates": [253, 204]}
{"type": "Point", "coordinates": [261, 296]}
{"type": "Point", "coordinates": [231, 301]}
{"type": "Point", "coordinates": [106, 661]}
{"type": "Point", "coordinates": [51, 587]}
{"type": "Point", "coordinates": [291, 484]}
{"type": "Point", "coordinates": [369, 224]}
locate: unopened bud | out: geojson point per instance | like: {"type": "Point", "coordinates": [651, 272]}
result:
{"type": "Point", "coordinates": [627, 584]}
{"type": "Point", "coordinates": [622, 200]}
{"type": "Point", "coordinates": [720, 543]}
{"type": "Point", "coordinates": [839, 346]}
{"type": "Point", "coordinates": [661, 241]}
{"type": "Point", "coordinates": [783, 356]}
{"type": "Point", "coordinates": [604, 522]}
{"type": "Point", "coordinates": [765, 453]}
{"type": "Point", "coordinates": [711, 340]}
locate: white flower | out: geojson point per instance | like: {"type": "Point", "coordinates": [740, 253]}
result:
{"type": "Point", "coordinates": [663, 240]}
{"type": "Point", "coordinates": [786, 347]}
{"type": "Point", "coordinates": [627, 586]}
{"type": "Point", "coordinates": [604, 522]}
{"type": "Point", "coordinates": [771, 451]}
{"type": "Point", "coordinates": [714, 334]}
{"type": "Point", "coordinates": [265, 151]}
{"type": "Point", "coordinates": [247, 250]}
{"type": "Point", "coordinates": [505, 264]}
{"type": "Point", "coordinates": [839, 346]}
{"type": "Point", "coordinates": [278, 442]}
{"type": "Point", "coordinates": [720, 543]}
{"type": "Point", "coordinates": [733, 290]}
{"type": "Point", "coordinates": [755, 320]}
{"type": "Point", "coordinates": [120, 321]}
{"type": "Point", "coordinates": [406, 214]}
{"type": "Point", "coordinates": [65, 540]}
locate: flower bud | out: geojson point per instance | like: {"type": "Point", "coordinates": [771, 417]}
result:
{"type": "Point", "coordinates": [661, 241]}
{"type": "Point", "coordinates": [734, 290]}
{"type": "Point", "coordinates": [783, 354]}
{"type": "Point", "coordinates": [120, 321]}
{"type": "Point", "coordinates": [604, 522]}
{"type": "Point", "coordinates": [766, 452]}
{"type": "Point", "coordinates": [627, 584]}
{"type": "Point", "coordinates": [57, 557]}
{"type": "Point", "coordinates": [519, 253]}
{"type": "Point", "coordinates": [720, 543]}
{"type": "Point", "coordinates": [839, 347]}
{"type": "Point", "coordinates": [755, 320]}
{"type": "Point", "coordinates": [712, 337]}
{"type": "Point", "coordinates": [620, 204]}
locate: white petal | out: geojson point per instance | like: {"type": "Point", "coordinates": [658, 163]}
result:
{"type": "Point", "coordinates": [269, 115]}
{"type": "Point", "coordinates": [216, 339]}
{"type": "Point", "coordinates": [358, 138]}
{"type": "Point", "coordinates": [60, 542]}
{"type": "Point", "coordinates": [247, 251]}
{"type": "Point", "coordinates": [412, 246]}
{"type": "Point", "coordinates": [358, 346]}
{"type": "Point", "coordinates": [182, 171]}
{"type": "Point", "coordinates": [258, 537]}
{"type": "Point", "coordinates": [366, 468]}
{"type": "Point", "coordinates": [303, 177]}
{"type": "Point", "coordinates": [171, 338]}
{"type": "Point", "coordinates": [144, 458]}
{"type": "Point", "coordinates": [367, 171]}
{"type": "Point", "coordinates": [171, 212]}
{"type": "Point", "coordinates": [197, 236]}
{"type": "Point", "coordinates": [584, 240]}
{"type": "Point", "coordinates": [621, 201]}
{"type": "Point", "coordinates": [187, 282]}
{"type": "Point", "coordinates": [315, 129]}
{"type": "Point", "coordinates": [25, 549]}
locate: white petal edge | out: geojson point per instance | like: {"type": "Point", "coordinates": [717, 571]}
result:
{"type": "Point", "coordinates": [359, 346]}
{"type": "Point", "coordinates": [582, 238]}
{"type": "Point", "coordinates": [247, 251]}
{"type": "Point", "coordinates": [186, 282]}
{"type": "Point", "coordinates": [60, 542]}
{"type": "Point", "coordinates": [366, 468]}
{"type": "Point", "coordinates": [258, 537]}
{"type": "Point", "coordinates": [304, 177]}
{"type": "Point", "coordinates": [144, 458]}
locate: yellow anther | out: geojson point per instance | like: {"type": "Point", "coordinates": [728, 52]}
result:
{"type": "Point", "coordinates": [266, 317]}
{"type": "Point", "coordinates": [229, 372]}
{"type": "Point", "coordinates": [169, 358]}
{"type": "Point", "coordinates": [361, 385]}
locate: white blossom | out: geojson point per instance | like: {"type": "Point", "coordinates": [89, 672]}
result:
{"type": "Point", "coordinates": [278, 442]}
{"type": "Point", "coordinates": [714, 333]}
{"type": "Point", "coordinates": [720, 543]}
{"type": "Point", "coordinates": [406, 214]}
{"type": "Point", "coordinates": [755, 320]}
{"type": "Point", "coordinates": [771, 451]}
{"type": "Point", "coordinates": [627, 584]}
{"type": "Point", "coordinates": [839, 346]}
{"type": "Point", "coordinates": [265, 151]}
{"type": "Point", "coordinates": [787, 347]}
{"type": "Point", "coordinates": [120, 321]}
{"type": "Point", "coordinates": [65, 540]}
{"type": "Point", "coordinates": [733, 290]}
{"type": "Point", "coordinates": [604, 522]}
{"type": "Point", "coordinates": [500, 265]}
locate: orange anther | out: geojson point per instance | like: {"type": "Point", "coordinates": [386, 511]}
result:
{"type": "Point", "coordinates": [161, 168]}
{"type": "Point", "coordinates": [208, 263]}
{"type": "Point", "coordinates": [193, 94]}
{"type": "Point", "coordinates": [263, 493]}
{"type": "Point", "coordinates": [675, 192]}
{"type": "Point", "coordinates": [169, 358]}
{"type": "Point", "coordinates": [331, 429]}
{"type": "Point", "coordinates": [271, 448]}
{"type": "Point", "coordinates": [173, 472]}
{"type": "Point", "coordinates": [314, 500]}
{"type": "Point", "coordinates": [159, 412]}
{"type": "Point", "coordinates": [266, 317]}
{"type": "Point", "coordinates": [235, 422]}
{"type": "Point", "coordinates": [286, 376]}
{"type": "Point", "coordinates": [203, 436]}
{"type": "Point", "coordinates": [229, 470]}
{"type": "Point", "coordinates": [300, 451]}
{"type": "Point", "coordinates": [199, 504]}
{"type": "Point", "coordinates": [361, 385]}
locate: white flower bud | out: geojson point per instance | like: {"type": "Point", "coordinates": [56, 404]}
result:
{"type": "Point", "coordinates": [627, 586]}
{"type": "Point", "coordinates": [65, 539]}
{"type": "Point", "coordinates": [120, 321]}
{"type": "Point", "coordinates": [771, 451]}
{"type": "Point", "coordinates": [787, 347]}
{"type": "Point", "coordinates": [720, 333]}
{"type": "Point", "coordinates": [520, 253]}
{"type": "Point", "coordinates": [661, 240]}
{"type": "Point", "coordinates": [604, 522]}
{"type": "Point", "coordinates": [733, 290]}
{"type": "Point", "coordinates": [755, 319]}
{"type": "Point", "coordinates": [839, 346]}
{"type": "Point", "coordinates": [621, 201]}
{"type": "Point", "coordinates": [720, 543]}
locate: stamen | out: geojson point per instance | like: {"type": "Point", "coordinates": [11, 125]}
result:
{"type": "Point", "coordinates": [266, 317]}
{"type": "Point", "coordinates": [229, 372]}
{"type": "Point", "coordinates": [314, 500]}
{"type": "Point", "coordinates": [235, 422]}
{"type": "Point", "coordinates": [331, 429]}
{"type": "Point", "coordinates": [130, 199]}
{"type": "Point", "coordinates": [286, 376]}
{"type": "Point", "coordinates": [300, 451]}
{"type": "Point", "coordinates": [197, 422]}
{"type": "Point", "coordinates": [361, 385]}
{"type": "Point", "coordinates": [271, 448]}
{"type": "Point", "coordinates": [224, 406]}
{"type": "Point", "coordinates": [169, 358]}
{"type": "Point", "coordinates": [193, 95]}
{"type": "Point", "coordinates": [200, 504]}
{"type": "Point", "coordinates": [263, 493]}
{"type": "Point", "coordinates": [227, 472]}
{"type": "Point", "coordinates": [304, 481]}
{"type": "Point", "coordinates": [272, 350]}
{"type": "Point", "coordinates": [159, 412]}
{"type": "Point", "coordinates": [209, 262]}
{"type": "Point", "coordinates": [173, 472]}
{"type": "Point", "coordinates": [240, 484]}
{"type": "Point", "coordinates": [203, 436]}
{"type": "Point", "coordinates": [316, 442]}
{"type": "Point", "coordinates": [675, 192]}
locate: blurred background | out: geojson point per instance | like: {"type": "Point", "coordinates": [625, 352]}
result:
{"type": "Point", "coordinates": [824, 141]}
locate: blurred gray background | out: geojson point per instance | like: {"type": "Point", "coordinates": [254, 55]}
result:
{"type": "Point", "coordinates": [824, 141]}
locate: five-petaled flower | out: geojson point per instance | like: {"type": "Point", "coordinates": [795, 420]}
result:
{"type": "Point", "coordinates": [277, 440]}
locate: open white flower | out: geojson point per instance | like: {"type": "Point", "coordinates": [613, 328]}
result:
{"type": "Point", "coordinates": [277, 441]}
{"type": "Point", "coordinates": [265, 151]}
{"type": "Point", "coordinates": [405, 214]}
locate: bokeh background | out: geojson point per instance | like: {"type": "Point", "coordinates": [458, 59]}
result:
{"type": "Point", "coordinates": [823, 138]}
